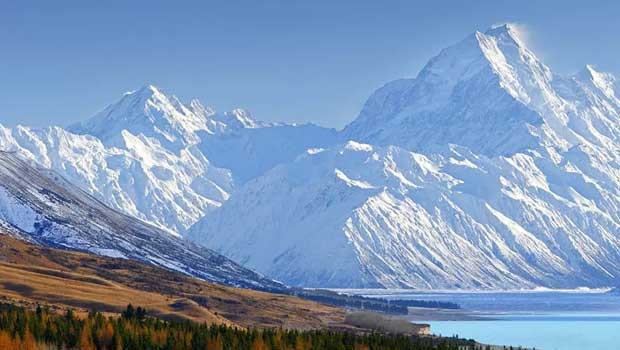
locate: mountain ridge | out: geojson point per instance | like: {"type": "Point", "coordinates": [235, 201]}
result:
{"type": "Point", "coordinates": [487, 156]}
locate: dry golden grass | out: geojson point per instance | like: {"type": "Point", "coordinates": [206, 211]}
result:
{"type": "Point", "coordinates": [71, 279]}
{"type": "Point", "coordinates": [74, 290]}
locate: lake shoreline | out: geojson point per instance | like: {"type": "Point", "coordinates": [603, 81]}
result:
{"type": "Point", "coordinates": [426, 314]}
{"type": "Point", "coordinates": [558, 320]}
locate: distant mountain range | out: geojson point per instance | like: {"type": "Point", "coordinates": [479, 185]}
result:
{"type": "Point", "coordinates": [487, 170]}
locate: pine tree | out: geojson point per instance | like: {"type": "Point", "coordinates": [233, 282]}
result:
{"type": "Point", "coordinates": [86, 338]}
{"type": "Point", "coordinates": [129, 312]}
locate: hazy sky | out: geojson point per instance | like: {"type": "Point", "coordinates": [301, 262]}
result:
{"type": "Point", "coordinates": [296, 61]}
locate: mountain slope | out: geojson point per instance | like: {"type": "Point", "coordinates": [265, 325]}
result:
{"type": "Point", "coordinates": [504, 175]}
{"type": "Point", "coordinates": [43, 206]}
{"type": "Point", "coordinates": [363, 216]}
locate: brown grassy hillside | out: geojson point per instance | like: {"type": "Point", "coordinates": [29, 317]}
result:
{"type": "Point", "coordinates": [32, 274]}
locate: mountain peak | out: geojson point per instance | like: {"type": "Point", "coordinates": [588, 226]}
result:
{"type": "Point", "coordinates": [591, 72]}
{"type": "Point", "coordinates": [449, 101]}
{"type": "Point", "coordinates": [500, 48]}
{"type": "Point", "coordinates": [151, 112]}
{"type": "Point", "coordinates": [508, 33]}
{"type": "Point", "coordinates": [148, 88]}
{"type": "Point", "coordinates": [504, 37]}
{"type": "Point", "coordinates": [146, 91]}
{"type": "Point", "coordinates": [148, 111]}
{"type": "Point", "coordinates": [506, 29]}
{"type": "Point", "coordinates": [605, 82]}
{"type": "Point", "coordinates": [199, 109]}
{"type": "Point", "coordinates": [242, 117]}
{"type": "Point", "coordinates": [237, 119]}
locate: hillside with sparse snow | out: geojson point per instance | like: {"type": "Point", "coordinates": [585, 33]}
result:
{"type": "Point", "coordinates": [42, 207]}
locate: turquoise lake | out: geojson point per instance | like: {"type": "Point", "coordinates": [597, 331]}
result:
{"type": "Point", "coordinates": [546, 334]}
{"type": "Point", "coordinates": [568, 320]}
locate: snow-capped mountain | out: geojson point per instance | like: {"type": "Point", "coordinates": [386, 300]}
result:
{"type": "Point", "coordinates": [148, 154]}
{"type": "Point", "coordinates": [151, 113]}
{"type": "Point", "coordinates": [487, 170]}
{"type": "Point", "coordinates": [491, 94]}
{"type": "Point", "coordinates": [43, 207]}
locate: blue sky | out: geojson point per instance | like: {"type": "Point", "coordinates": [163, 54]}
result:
{"type": "Point", "coordinates": [62, 61]}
